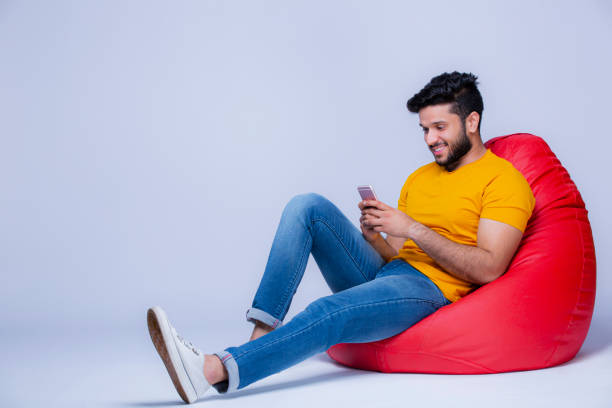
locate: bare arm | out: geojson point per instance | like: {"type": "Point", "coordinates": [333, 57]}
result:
{"type": "Point", "coordinates": [387, 248]}
{"type": "Point", "coordinates": [496, 243]}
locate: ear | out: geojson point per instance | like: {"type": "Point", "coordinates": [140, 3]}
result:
{"type": "Point", "coordinates": [471, 122]}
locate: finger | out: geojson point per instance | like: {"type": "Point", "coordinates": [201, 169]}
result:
{"type": "Point", "coordinates": [364, 203]}
{"type": "Point", "coordinates": [377, 205]}
{"type": "Point", "coordinates": [364, 221]}
{"type": "Point", "coordinates": [372, 222]}
{"type": "Point", "coordinates": [370, 203]}
{"type": "Point", "coordinates": [374, 212]}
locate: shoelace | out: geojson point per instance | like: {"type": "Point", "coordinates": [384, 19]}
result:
{"type": "Point", "coordinates": [188, 344]}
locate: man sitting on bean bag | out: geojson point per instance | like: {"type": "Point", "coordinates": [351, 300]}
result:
{"type": "Point", "coordinates": [458, 223]}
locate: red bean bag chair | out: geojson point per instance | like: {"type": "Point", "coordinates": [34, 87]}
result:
{"type": "Point", "coordinates": [536, 315]}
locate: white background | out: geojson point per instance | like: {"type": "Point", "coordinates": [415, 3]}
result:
{"type": "Point", "coordinates": [147, 148]}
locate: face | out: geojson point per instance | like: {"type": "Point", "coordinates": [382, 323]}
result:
{"type": "Point", "coordinates": [445, 135]}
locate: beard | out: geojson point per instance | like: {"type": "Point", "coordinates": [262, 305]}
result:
{"type": "Point", "coordinates": [456, 150]}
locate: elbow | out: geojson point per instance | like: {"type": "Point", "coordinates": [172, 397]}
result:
{"type": "Point", "coordinates": [491, 268]}
{"type": "Point", "coordinates": [490, 275]}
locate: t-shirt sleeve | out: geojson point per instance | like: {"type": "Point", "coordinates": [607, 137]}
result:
{"type": "Point", "coordinates": [508, 199]}
{"type": "Point", "coordinates": [401, 202]}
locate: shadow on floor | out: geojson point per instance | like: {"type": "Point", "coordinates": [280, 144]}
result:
{"type": "Point", "coordinates": [323, 357]}
{"type": "Point", "coordinates": [175, 403]}
{"type": "Point", "coordinates": [288, 384]}
{"type": "Point", "coordinates": [598, 339]}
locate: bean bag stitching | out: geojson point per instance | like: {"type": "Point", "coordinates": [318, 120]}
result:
{"type": "Point", "coordinates": [446, 357]}
{"type": "Point", "coordinates": [428, 323]}
{"type": "Point", "coordinates": [552, 163]}
{"type": "Point", "coordinates": [577, 292]}
{"type": "Point", "coordinates": [381, 362]}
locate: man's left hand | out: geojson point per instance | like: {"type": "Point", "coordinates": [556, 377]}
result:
{"type": "Point", "coordinates": [383, 218]}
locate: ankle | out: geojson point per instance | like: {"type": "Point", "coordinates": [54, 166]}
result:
{"type": "Point", "coordinates": [214, 370]}
{"type": "Point", "coordinates": [259, 330]}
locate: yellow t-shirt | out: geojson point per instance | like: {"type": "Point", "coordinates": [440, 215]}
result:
{"type": "Point", "coordinates": [452, 203]}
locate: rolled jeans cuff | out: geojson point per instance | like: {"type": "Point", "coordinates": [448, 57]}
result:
{"type": "Point", "coordinates": [254, 314]}
{"type": "Point", "coordinates": [233, 375]}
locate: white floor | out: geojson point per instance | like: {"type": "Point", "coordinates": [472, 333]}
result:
{"type": "Point", "coordinates": [120, 369]}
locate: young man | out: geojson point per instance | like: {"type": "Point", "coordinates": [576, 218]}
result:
{"type": "Point", "coordinates": [458, 223]}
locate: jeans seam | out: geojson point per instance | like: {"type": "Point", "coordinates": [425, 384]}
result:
{"type": "Point", "coordinates": [338, 237]}
{"type": "Point", "coordinates": [335, 313]}
{"type": "Point", "coordinates": [283, 303]}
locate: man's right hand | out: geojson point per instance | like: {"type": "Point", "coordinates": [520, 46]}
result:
{"type": "Point", "coordinates": [368, 233]}
{"type": "Point", "coordinates": [388, 247]}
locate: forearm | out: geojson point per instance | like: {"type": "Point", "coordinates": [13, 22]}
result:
{"type": "Point", "coordinates": [383, 248]}
{"type": "Point", "coordinates": [470, 263]}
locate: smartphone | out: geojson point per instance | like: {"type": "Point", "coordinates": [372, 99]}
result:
{"type": "Point", "coordinates": [367, 192]}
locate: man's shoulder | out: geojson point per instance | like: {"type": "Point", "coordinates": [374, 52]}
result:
{"type": "Point", "coordinates": [501, 166]}
{"type": "Point", "coordinates": [501, 163]}
{"type": "Point", "coordinates": [424, 169]}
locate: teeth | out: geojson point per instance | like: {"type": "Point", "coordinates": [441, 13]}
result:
{"type": "Point", "coordinates": [438, 149]}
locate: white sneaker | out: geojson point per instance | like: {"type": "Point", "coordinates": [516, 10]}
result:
{"type": "Point", "coordinates": [184, 362]}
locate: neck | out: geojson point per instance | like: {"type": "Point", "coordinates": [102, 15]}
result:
{"type": "Point", "coordinates": [476, 152]}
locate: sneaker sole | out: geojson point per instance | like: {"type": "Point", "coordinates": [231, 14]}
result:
{"type": "Point", "coordinates": [159, 329]}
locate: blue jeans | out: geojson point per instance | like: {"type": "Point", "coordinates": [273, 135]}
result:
{"type": "Point", "coordinates": [371, 300]}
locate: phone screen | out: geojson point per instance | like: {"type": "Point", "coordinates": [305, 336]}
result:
{"type": "Point", "coordinates": [367, 192]}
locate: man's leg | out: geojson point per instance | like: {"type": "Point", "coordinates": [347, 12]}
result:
{"type": "Point", "coordinates": [396, 299]}
{"type": "Point", "coordinates": [310, 224]}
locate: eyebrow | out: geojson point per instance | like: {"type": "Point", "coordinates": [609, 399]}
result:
{"type": "Point", "coordinates": [433, 124]}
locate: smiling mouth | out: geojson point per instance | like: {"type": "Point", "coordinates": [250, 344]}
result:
{"type": "Point", "coordinates": [438, 149]}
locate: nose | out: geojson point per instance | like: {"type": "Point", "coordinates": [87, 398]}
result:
{"type": "Point", "coordinates": [431, 138]}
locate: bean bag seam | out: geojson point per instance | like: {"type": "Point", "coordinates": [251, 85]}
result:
{"type": "Point", "coordinates": [580, 287]}
{"type": "Point", "coordinates": [381, 361]}
{"type": "Point", "coordinates": [446, 357]}
{"type": "Point", "coordinates": [429, 322]}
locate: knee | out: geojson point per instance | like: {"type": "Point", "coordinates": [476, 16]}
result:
{"type": "Point", "coordinates": [305, 205]}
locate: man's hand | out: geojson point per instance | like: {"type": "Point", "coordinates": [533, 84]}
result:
{"type": "Point", "coordinates": [377, 216]}
{"type": "Point", "coordinates": [368, 232]}
{"type": "Point", "coordinates": [386, 247]}
{"type": "Point", "coordinates": [480, 264]}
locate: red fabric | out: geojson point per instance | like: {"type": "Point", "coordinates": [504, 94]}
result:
{"type": "Point", "coordinates": [536, 315]}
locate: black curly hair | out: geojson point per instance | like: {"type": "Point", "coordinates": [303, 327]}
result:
{"type": "Point", "coordinates": [456, 87]}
